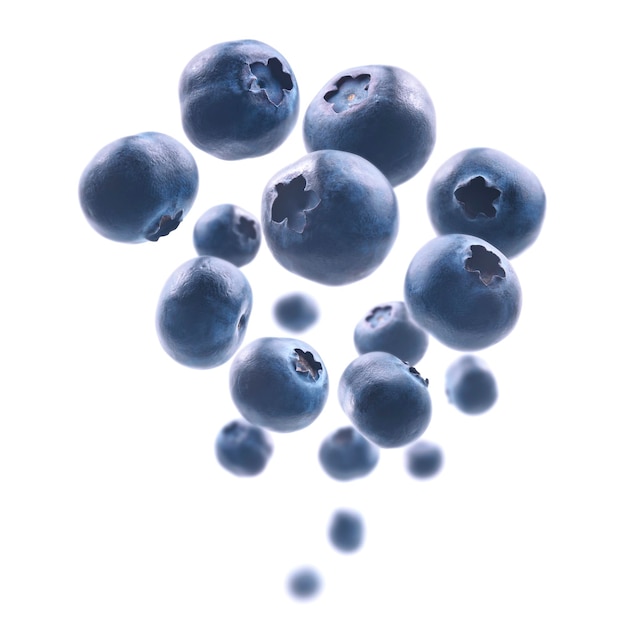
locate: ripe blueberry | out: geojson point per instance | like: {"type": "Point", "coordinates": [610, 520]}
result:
{"type": "Point", "coordinates": [203, 312]}
{"type": "Point", "coordinates": [296, 311]}
{"type": "Point", "coordinates": [239, 99]}
{"type": "Point", "coordinates": [463, 291]}
{"type": "Point", "coordinates": [279, 383]}
{"type": "Point", "coordinates": [470, 385]}
{"type": "Point", "coordinates": [229, 232]}
{"type": "Point", "coordinates": [243, 449]}
{"type": "Point", "coordinates": [485, 193]}
{"type": "Point", "coordinates": [345, 454]}
{"type": "Point", "coordinates": [386, 399]}
{"type": "Point", "coordinates": [379, 112]}
{"type": "Point", "coordinates": [424, 459]}
{"type": "Point", "coordinates": [138, 188]}
{"type": "Point", "coordinates": [331, 217]}
{"type": "Point", "coordinates": [388, 327]}
{"type": "Point", "coordinates": [304, 583]}
{"type": "Point", "coordinates": [346, 530]}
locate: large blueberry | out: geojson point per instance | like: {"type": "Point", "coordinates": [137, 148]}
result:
{"type": "Point", "coordinates": [345, 454]}
{"type": "Point", "coordinates": [239, 99]}
{"type": "Point", "coordinates": [229, 232]}
{"type": "Point", "coordinates": [424, 459]}
{"type": "Point", "coordinates": [470, 385]}
{"type": "Point", "coordinates": [387, 400]}
{"type": "Point", "coordinates": [346, 530]}
{"type": "Point", "coordinates": [380, 112]}
{"type": "Point", "coordinates": [486, 193]}
{"type": "Point", "coordinates": [388, 327]}
{"type": "Point", "coordinates": [331, 217]}
{"type": "Point", "coordinates": [138, 188]}
{"type": "Point", "coordinates": [243, 449]}
{"type": "Point", "coordinates": [279, 383]}
{"type": "Point", "coordinates": [203, 312]}
{"type": "Point", "coordinates": [463, 291]}
{"type": "Point", "coordinates": [296, 311]}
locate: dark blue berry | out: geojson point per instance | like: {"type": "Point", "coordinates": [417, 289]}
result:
{"type": "Point", "coordinates": [239, 99]}
{"type": "Point", "coordinates": [346, 530]}
{"type": "Point", "coordinates": [296, 311]}
{"type": "Point", "coordinates": [203, 312]}
{"type": "Point", "coordinates": [388, 327]}
{"type": "Point", "coordinates": [331, 217]}
{"type": "Point", "coordinates": [471, 385]}
{"type": "Point", "coordinates": [304, 583]}
{"type": "Point", "coordinates": [345, 454]}
{"type": "Point", "coordinates": [463, 291]}
{"type": "Point", "coordinates": [424, 459]}
{"type": "Point", "coordinates": [386, 399]}
{"type": "Point", "coordinates": [485, 193]}
{"type": "Point", "coordinates": [229, 232]}
{"type": "Point", "coordinates": [138, 188]}
{"type": "Point", "coordinates": [279, 383]}
{"type": "Point", "coordinates": [379, 112]}
{"type": "Point", "coordinates": [243, 449]}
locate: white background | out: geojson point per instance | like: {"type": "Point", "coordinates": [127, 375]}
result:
{"type": "Point", "coordinates": [113, 509]}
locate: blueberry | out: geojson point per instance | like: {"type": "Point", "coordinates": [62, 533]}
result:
{"type": "Point", "coordinates": [229, 232]}
{"type": "Point", "coordinates": [386, 399]}
{"type": "Point", "coordinates": [203, 312]}
{"type": "Point", "coordinates": [304, 583]}
{"type": "Point", "coordinates": [296, 311]}
{"type": "Point", "coordinates": [470, 385]}
{"type": "Point", "coordinates": [239, 99]}
{"type": "Point", "coordinates": [379, 112]}
{"type": "Point", "coordinates": [345, 454]}
{"type": "Point", "coordinates": [424, 459]}
{"type": "Point", "coordinates": [346, 530]}
{"type": "Point", "coordinates": [279, 383]}
{"type": "Point", "coordinates": [388, 327]}
{"type": "Point", "coordinates": [485, 193]}
{"type": "Point", "coordinates": [463, 291]}
{"type": "Point", "coordinates": [331, 217]}
{"type": "Point", "coordinates": [243, 449]}
{"type": "Point", "coordinates": [138, 188]}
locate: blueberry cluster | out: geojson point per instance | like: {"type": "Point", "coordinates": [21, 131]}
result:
{"type": "Point", "coordinates": [332, 217]}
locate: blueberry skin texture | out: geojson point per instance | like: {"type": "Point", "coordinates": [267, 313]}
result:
{"type": "Point", "coordinates": [138, 188]}
{"type": "Point", "coordinates": [228, 232]}
{"type": "Point", "coordinates": [296, 312]}
{"type": "Point", "coordinates": [243, 449]}
{"type": "Point", "coordinates": [470, 385]}
{"type": "Point", "coordinates": [345, 454]}
{"type": "Point", "coordinates": [463, 291]}
{"type": "Point", "coordinates": [388, 327]}
{"type": "Point", "coordinates": [304, 583]}
{"type": "Point", "coordinates": [330, 217]}
{"type": "Point", "coordinates": [203, 312]}
{"type": "Point", "coordinates": [238, 99]}
{"type": "Point", "coordinates": [380, 112]}
{"type": "Point", "coordinates": [424, 459]}
{"type": "Point", "coordinates": [387, 400]}
{"type": "Point", "coordinates": [486, 193]}
{"type": "Point", "coordinates": [346, 530]}
{"type": "Point", "coordinates": [279, 383]}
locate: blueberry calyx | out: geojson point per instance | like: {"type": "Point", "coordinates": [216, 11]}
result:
{"type": "Point", "coordinates": [166, 225]}
{"type": "Point", "coordinates": [272, 79]}
{"type": "Point", "coordinates": [293, 202]}
{"type": "Point", "coordinates": [477, 197]}
{"type": "Point", "coordinates": [247, 228]}
{"type": "Point", "coordinates": [485, 263]}
{"type": "Point", "coordinates": [378, 315]}
{"type": "Point", "coordinates": [349, 92]}
{"type": "Point", "coordinates": [306, 364]}
{"type": "Point", "coordinates": [415, 373]}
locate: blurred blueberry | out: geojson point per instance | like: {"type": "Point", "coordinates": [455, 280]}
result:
{"type": "Point", "coordinates": [346, 530]}
{"type": "Point", "coordinates": [243, 449]}
{"type": "Point", "coordinates": [424, 459]}
{"type": "Point", "coordinates": [304, 583]}
{"type": "Point", "coordinates": [345, 454]}
{"type": "Point", "coordinates": [296, 312]}
{"type": "Point", "coordinates": [471, 385]}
